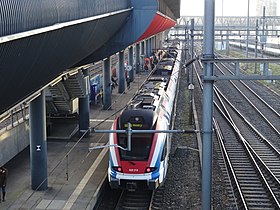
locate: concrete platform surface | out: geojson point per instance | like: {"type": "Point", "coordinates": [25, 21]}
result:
{"type": "Point", "coordinates": [75, 175]}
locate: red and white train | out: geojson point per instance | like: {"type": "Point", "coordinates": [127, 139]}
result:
{"type": "Point", "coordinates": [145, 166]}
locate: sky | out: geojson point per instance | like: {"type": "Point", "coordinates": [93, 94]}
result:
{"type": "Point", "coordinates": [230, 7]}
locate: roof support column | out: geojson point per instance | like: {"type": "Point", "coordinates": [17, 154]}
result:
{"type": "Point", "coordinates": [121, 74]}
{"type": "Point", "coordinates": [84, 106]}
{"type": "Point", "coordinates": [207, 129]}
{"type": "Point", "coordinates": [142, 55]}
{"type": "Point", "coordinates": [107, 91]}
{"type": "Point", "coordinates": [154, 44]}
{"type": "Point", "coordinates": [191, 72]}
{"type": "Point", "coordinates": [38, 143]}
{"type": "Point", "coordinates": [130, 62]}
{"type": "Point", "coordinates": [150, 46]}
{"type": "Point", "coordinates": [160, 40]}
{"type": "Point", "coordinates": [137, 67]}
{"type": "Point", "coordinates": [147, 48]}
{"type": "Point", "coordinates": [157, 42]}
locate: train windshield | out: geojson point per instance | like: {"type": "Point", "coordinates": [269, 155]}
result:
{"type": "Point", "coordinates": [140, 146]}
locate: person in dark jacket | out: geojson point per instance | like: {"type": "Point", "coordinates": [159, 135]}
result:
{"type": "Point", "coordinates": [114, 81]}
{"type": "Point", "coordinates": [3, 181]}
{"type": "Point", "coordinates": [128, 82]}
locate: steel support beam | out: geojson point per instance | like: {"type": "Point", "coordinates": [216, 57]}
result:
{"type": "Point", "coordinates": [247, 35]}
{"type": "Point", "coordinates": [207, 124]}
{"type": "Point", "coordinates": [237, 21]}
{"type": "Point", "coordinates": [142, 55]}
{"type": "Point", "coordinates": [256, 43]}
{"type": "Point", "coordinates": [107, 92]}
{"type": "Point", "coordinates": [241, 60]}
{"type": "Point", "coordinates": [129, 133]}
{"type": "Point", "coordinates": [84, 105]}
{"type": "Point", "coordinates": [241, 77]}
{"type": "Point", "coordinates": [191, 73]}
{"type": "Point", "coordinates": [147, 48]}
{"type": "Point", "coordinates": [121, 75]}
{"type": "Point", "coordinates": [153, 43]}
{"type": "Point", "coordinates": [38, 143]}
{"type": "Point", "coordinates": [230, 33]}
{"type": "Point", "coordinates": [143, 48]}
{"type": "Point", "coordinates": [130, 62]}
{"type": "Point", "coordinates": [150, 46]}
{"type": "Point", "coordinates": [137, 56]}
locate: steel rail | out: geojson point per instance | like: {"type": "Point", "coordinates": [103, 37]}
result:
{"type": "Point", "coordinates": [248, 149]}
{"type": "Point", "coordinates": [229, 165]}
{"type": "Point", "coordinates": [245, 143]}
{"type": "Point", "coordinates": [252, 91]}
{"type": "Point", "coordinates": [253, 105]}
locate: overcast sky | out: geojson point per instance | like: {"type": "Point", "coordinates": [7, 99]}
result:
{"type": "Point", "coordinates": [230, 7]}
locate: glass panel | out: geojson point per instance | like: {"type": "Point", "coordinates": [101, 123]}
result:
{"type": "Point", "coordinates": [140, 146]}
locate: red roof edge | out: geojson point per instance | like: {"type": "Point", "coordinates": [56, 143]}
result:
{"type": "Point", "coordinates": [160, 23]}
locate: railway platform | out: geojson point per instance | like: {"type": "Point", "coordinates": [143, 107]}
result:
{"type": "Point", "coordinates": [75, 174]}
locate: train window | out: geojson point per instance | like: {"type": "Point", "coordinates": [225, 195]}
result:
{"type": "Point", "coordinates": [164, 151]}
{"type": "Point", "coordinates": [140, 146]}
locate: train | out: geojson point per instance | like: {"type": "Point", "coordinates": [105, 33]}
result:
{"type": "Point", "coordinates": [270, 51]}
{"type": "Point", "coordinates": [145, 165]}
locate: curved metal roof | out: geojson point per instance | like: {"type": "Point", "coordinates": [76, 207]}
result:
{"type": "Point", "coordinates": [40, 39]}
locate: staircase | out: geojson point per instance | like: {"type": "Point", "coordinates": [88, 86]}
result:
{"type": "Point", "coordinates": [60, 97]}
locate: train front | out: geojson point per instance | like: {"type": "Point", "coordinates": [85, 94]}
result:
{"type": "Point", "coordinates": [132, 169]}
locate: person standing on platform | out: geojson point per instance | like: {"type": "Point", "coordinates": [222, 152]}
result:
{"type": "Point", "coordinates": [128, 82]}
{"type": "Point", "coordinates": [114, 81]}
{"type": "Point", "coordinates": [146, 68]}
{"type": "Point", "coordinates": [101, 95]}
{"type": "Point", "coordinates": [3, 181]}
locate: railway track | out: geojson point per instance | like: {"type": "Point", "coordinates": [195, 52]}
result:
{"type": "Point", "coordinates": [254, 160]}
{"type": "Point", "coordinates": [252, 106]}
{"type": "Point", "coordinates": [247, 129]}
{"type": "Point", "coordinates": [140, 199]}
{"type": "Point", "coordinates": [124, 199]}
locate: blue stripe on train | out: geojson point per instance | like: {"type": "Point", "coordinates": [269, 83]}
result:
{"type": "Point", "coordinates": [113, 173]}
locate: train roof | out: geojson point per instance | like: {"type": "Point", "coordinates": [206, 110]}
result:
{"type": "Point", "coordinates": [167, 61]}
{"type": "Point", "coordinates": [148, 96]}
{"type": "Point", "coordinates": [139, 119]}
{"type": "Point", "coordinates": [164, 67]}
{"type": "Point", "coordinates": [145, 105]}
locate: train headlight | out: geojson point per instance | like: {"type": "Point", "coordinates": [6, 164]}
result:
{"type": "Point", "coordinates": [117, 168]}
{"type": "Point", "coordinates": [150, 169]}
